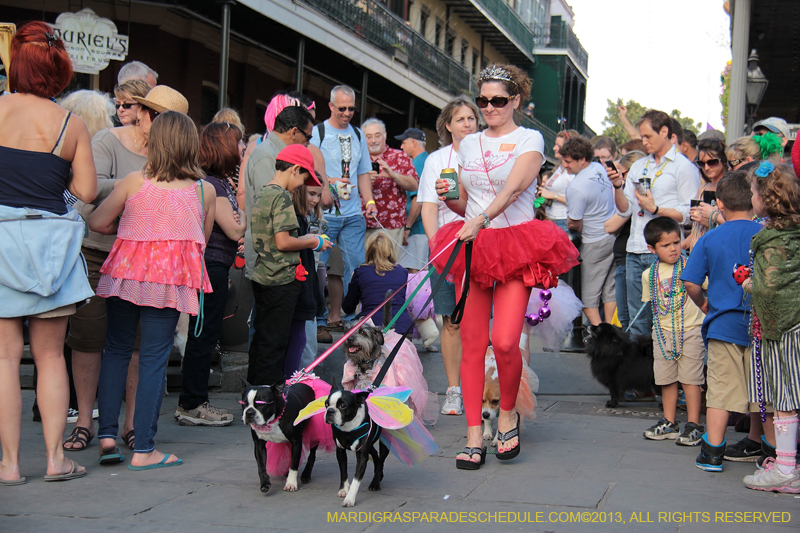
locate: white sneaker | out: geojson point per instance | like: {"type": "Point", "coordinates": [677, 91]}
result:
{"type": "Point", "coordinates": [95, 413]}
{"type": "Point", "coordinates": [72, 415]}
{"type": "Point", "coordinates": [773, 480]}
{"type": "Point", "coordinates": [453, 404]}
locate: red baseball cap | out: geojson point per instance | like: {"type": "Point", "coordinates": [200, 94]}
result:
{"type": "Point", "coordinates": [297, 154]}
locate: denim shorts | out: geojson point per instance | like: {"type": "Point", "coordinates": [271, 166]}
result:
{"type": "Point", "coordinates": [444, 301]}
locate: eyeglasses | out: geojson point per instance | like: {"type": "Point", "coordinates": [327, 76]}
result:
{"type": "Point", "coordinates": [125, 106]}
{"type": "Point", "coordinates": [343, 109]}
{"type": "Point", "coordinates": [496, 101]}
{"type": "Point", "coordinates": [152, 112]}
{"type": "Point", "coordinates": [709, 163]}
{"type": "Point", "coordinates": [308, 136]}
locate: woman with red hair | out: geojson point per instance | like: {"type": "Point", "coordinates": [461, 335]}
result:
{"type": "Point", "coordinates": [45, 150]}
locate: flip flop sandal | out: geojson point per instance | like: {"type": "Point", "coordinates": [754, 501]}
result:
{"type": "Point", "coordinates": [467, 464]}
{"type": "Point", "coordinates": [72, 474]}
{"type": "Point", "coordinates": [508, 435]}
{"type": "Point", "coordinates": [110, 456]}
{"type": "Point", "coordinates": [162, 464]}
{"type": "Point", "coordinates": [128, 437]}
{"type": "Point", "coordinates": [13, 482]}
{"type": "Point", "coordinates": [79, 438]}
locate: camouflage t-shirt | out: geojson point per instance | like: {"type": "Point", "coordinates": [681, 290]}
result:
{"type": "Point", "coordinates": [273, 213]}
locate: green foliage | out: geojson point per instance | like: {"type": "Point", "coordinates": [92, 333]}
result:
{"type": "Point", "coordinates": [725, 81]}
{"type": "Point", "coordinates": [613, 124]}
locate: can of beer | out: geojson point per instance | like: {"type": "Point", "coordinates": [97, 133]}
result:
{"type": "Point", "coordinates": [451, 177]}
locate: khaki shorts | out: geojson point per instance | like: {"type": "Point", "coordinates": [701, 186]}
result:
{"type": "Point", "coordinates": [687, 370]}
{"type": "Point", "coordinates": [87, 327]}
{"type": "Point", "coordinates": [727, 384]}
{"type": "Point", "coordinates": [336, 262]}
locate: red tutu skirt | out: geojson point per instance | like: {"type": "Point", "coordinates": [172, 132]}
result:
{"type": "Point", "coordinates": [536, 252]}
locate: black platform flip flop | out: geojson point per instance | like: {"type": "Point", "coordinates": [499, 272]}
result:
{"type": "Point", "coordinates": [467, 464]}
{"type": "Point", "coordinates": [508, 435]}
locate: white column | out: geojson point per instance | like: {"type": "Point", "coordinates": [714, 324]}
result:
{"type": "Point", "coordinates": [737, 101]}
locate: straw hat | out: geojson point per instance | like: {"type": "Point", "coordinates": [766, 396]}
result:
{"type": "Point", "coordinates": [162, 98]}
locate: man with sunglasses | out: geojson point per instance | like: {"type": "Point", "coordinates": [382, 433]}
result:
{"type": "Point", "coordinates": [293, 125]}
{"type": "Point", "coordinates": [662, 184]}
{"type": "Point", "coordinates": [347, 160]}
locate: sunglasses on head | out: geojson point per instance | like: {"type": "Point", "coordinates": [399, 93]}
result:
{"type": "Point", "coordinates": [709, 163]}
{"type": "Point", "coordinates": [350, 108]}
{"type": "Point", "coordinates": [125, 106]}
{"type": "Point", "coordinates": [496, 101]}
{"type": "Point", "coordinates": [734, 162]}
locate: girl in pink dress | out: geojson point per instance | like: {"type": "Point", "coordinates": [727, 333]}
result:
{"type": "Point", "coordinates": [163, 217]}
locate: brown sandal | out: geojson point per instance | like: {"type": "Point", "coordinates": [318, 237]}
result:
{"type": "Point", "coordinates": [79, 438]}
{"type": "Point", "coordinates": [129, 439]}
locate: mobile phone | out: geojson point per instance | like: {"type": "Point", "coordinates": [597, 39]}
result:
{"type": "Point", "coordinates": [710, 197]}
{"type": "Point", "coordinates": [376, 167]}
{"type": "Point", "coordinates": [610, 164]}
{"type": "Point", "coordinates": [694, 203]}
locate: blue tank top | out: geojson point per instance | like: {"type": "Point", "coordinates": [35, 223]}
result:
{"type": "Point", "coordinates": [35, 180]}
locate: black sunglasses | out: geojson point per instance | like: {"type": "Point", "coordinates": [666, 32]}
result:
{"type": "Point", "coordinates": [710, 163]}
{"type": "Point", "coordinates": [343, 109]}
{"type": "Point", "coordinates": [307, 135]}
{"type": "Point", "coordinates": [152, 112]}
{"type": "Point", "coordinates": [125, 106]}
{"type": "Point", "coordinates": [496, 101]}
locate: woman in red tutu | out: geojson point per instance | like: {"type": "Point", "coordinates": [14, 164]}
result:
{"type": "Point", "coordinates": [512, 252]}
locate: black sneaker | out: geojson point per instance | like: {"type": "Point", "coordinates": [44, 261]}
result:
{"type": "Point", "coordinates": [691, 436]}
{"type": "Point", "coordinates": [767, 451]}
{"type": "Point", "coordinates": [663, 429]}
{"type": "Point", "coordinates": [710, 457]}
{"type": "Point", "coordinates": [744, 451]}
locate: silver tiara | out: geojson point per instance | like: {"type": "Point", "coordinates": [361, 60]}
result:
{"type": "Point", "coordinates": [495, 73]}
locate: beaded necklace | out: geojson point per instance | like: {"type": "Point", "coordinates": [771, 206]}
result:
{"type": "Point", "coordinates": [668, 303]}
{"type": "Point", "coordinates": [757, 358]}
{"type": "Point", "coordinates": [659, 170]}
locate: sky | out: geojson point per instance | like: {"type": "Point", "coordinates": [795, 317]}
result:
{"type": "Point", "coordinates": [664, 55]}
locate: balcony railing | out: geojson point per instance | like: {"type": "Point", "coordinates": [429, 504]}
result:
{"type": "Point", "coordinates": [560, 35]}
{"type": "Point", "coordinates": [374, 23]}
{"type": "Point", "coordinates": [510, 20]}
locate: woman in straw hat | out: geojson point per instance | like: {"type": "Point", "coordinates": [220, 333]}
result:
{"type": "Point", "coordinates": [44, 150]}
{"type": "Point", "coordinates": [117, 152]}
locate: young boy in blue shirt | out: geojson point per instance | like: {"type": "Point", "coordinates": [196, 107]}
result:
{"type": "Point", "coordinates": [726, 326]}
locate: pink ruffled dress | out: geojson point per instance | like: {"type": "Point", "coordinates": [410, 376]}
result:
{"type": "Point", "coordinates": [157, 259]}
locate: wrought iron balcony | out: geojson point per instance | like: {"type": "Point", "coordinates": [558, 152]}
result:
{"type": "Point", "coordinates": [560, 35]}
{"type": "Point", "coordinates": [374, 23]}
{"type": "Point", "coordinates": [499, 24]}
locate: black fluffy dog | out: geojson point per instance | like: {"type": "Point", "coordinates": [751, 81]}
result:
{"type": "Point", "coordinates": [354, 430]}
{"type": "Point", "coordinates": [270, 412]}
{"type": "Point", "coordinates": [620, 363]}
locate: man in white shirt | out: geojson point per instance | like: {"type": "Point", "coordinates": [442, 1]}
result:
{"type": "Point", "coordinates": [590, 202]}
{"type": "Point", "coordinates": [662, 184]}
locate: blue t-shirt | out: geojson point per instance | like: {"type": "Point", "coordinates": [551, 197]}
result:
{"type": "Point", "coordinates": [419, 164]}
{"type": "Point", "coordinates": [370, 289]}
{"type": "Point", "coordinates": [714, 256]}
{"type": "Point", "coordinates": [360, 163]}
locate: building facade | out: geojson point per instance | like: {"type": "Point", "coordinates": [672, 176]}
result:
{"type": "Point", "coordinates": [404, 58]}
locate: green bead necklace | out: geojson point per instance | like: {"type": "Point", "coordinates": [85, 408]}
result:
{"type": "Point", "coordinates": [668, 303]}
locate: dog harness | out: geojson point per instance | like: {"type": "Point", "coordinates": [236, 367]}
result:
{"type": "Point", "coordinates": [369, 439]}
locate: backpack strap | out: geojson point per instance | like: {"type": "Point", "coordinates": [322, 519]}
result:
{"type": "Point", "coordinates": [321, 132]}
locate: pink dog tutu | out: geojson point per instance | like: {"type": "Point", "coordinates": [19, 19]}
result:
{"type": "Point", "coordinates": [317, 432]}
{"type": "Point", "coordinates": [406, 371]}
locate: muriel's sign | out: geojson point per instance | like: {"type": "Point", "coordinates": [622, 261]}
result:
{"type": "Point", "coordinates": [91, 41]}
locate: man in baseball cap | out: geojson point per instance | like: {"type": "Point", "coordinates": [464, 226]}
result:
{"type": "Point", "coordinates": [776, 125]}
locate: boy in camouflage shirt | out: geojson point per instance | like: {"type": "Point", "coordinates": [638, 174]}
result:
{"type": "Point", "coordinates": [276, 280]}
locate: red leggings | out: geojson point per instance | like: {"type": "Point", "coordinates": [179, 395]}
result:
{"type": "Point", "coordinates": [510, 304]}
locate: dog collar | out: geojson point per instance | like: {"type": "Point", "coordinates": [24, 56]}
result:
{"type": "Point", "coordinates": [268, 426]}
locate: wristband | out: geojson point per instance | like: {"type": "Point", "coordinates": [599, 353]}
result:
{"type": "Point", "coordinates": [616, 186]}
{"type": "Point", "coordinates": [371, 202]}
{"type": "Point", "coordinates": [656, 211]}
{"type": "Point", "coordinates": [320, 242]}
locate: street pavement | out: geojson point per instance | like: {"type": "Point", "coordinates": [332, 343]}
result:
{"type": "Point", "coordinates": [582, 468]}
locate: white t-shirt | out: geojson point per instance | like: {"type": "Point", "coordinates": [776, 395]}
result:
{"type": "Point", "coordinates": [436, 162]}
{"type": "Point", "coordinates": [558, 183]}
{"type": "Point", "coordinates": [499, 154]}
{"type": "Point", "coordinates": [590, 198]}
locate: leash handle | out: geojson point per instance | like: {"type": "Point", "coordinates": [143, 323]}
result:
{"type": "Point", "coordinates": [390, 358]}
{"type": "Point", "coordinates": [458, 312]}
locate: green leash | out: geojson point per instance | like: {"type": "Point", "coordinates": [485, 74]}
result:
{"type": "Point", "coordinates": [408, 301]}
{"type": "Point", "coordinates": [198, 326]}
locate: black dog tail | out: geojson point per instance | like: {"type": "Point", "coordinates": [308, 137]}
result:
{"type": "Point", "coordinates": [387, 309]}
